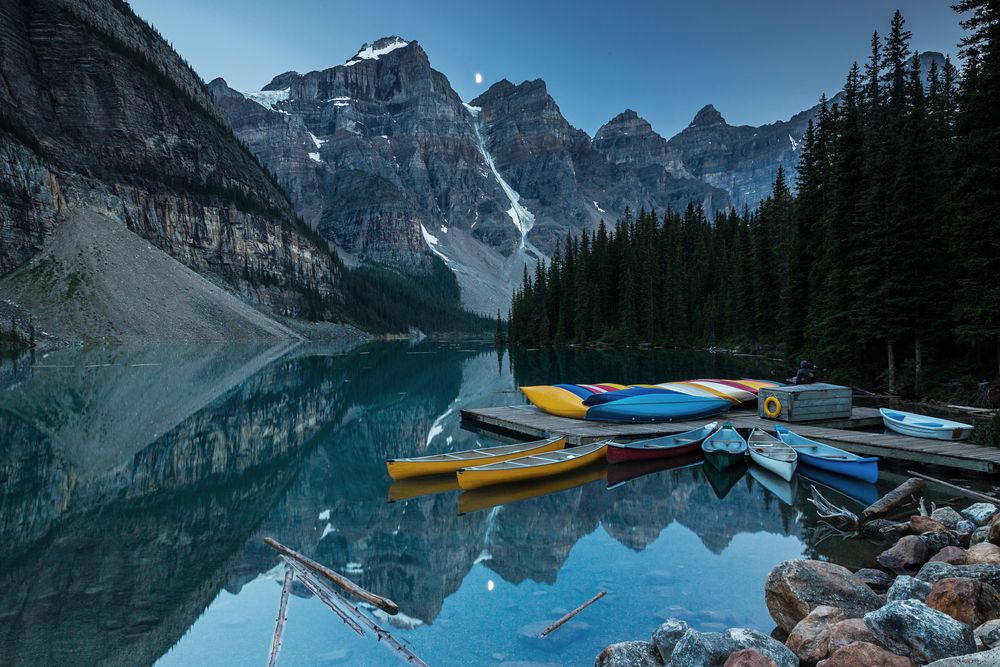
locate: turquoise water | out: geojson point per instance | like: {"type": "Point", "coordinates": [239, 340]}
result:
{"type": "Point", "coordinates": [138, 484]}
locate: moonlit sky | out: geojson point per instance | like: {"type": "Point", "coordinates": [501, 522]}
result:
{"type": "Point", "coordinates": [757, 62]}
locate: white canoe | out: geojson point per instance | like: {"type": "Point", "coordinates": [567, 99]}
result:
{"type": "Point", "coordinates": [772, 454]}
{"type": "Point", "coordinates": [922, 426]}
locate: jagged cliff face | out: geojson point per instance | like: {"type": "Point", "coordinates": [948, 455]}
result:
{"type": "Point", "coordinates": [383, 158]}
{"type": "Point", "coordinates": [98, 113]}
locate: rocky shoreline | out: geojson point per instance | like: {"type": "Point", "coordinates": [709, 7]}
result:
{"type": "Point", "coordinates": [935, 601]}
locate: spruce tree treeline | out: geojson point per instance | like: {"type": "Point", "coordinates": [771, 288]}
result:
{"type": "Point", "coordinates": [884, 265]}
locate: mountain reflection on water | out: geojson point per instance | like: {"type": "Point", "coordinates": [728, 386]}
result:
{"type": "Point", "coordinates": [137, 485]}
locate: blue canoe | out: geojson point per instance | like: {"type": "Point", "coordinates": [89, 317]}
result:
{"type": "Point", "coordinates": [828, 457]}
{"type": "Point", "coordinates": [657, 407]}
{"type": "Point", "coordinates": [608, 397]}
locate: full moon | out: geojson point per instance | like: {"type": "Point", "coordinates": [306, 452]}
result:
{"type": "Point", "coordinates": [479, 77]}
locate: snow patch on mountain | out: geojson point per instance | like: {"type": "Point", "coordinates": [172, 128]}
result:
{"type": "Point", "coordinates": [314, 157]}
{"type": "Point", "coordinates": [316, 140]}
{"type": "Point", "coordinates": [796, 145]}
{"type": "Point", "coordinates": [432, 243]}
{"type": "Point", "coordinates": [268, 98]}
{"type": "Point", "coordinates": [376, 50]}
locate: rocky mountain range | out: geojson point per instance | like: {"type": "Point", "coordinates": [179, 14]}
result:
{"type": "Point", "coordinates": [106, 131]}
{"type": "Point", "coordinates": [384, 159]}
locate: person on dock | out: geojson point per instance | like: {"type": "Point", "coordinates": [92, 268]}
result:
{"type": "Point", "coordinates": [806, 373]}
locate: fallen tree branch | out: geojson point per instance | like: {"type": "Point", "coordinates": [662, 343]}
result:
{"type": "Point", "coordinates": [965, 492]}
{"type": "Point", "coordinates": [324, 593]}
{"type": "Point", "coordinates": [830, 512]}
{"type": "Point", "coordinates": [549, 630]}
{"type": "Point", "coordinates": [340, 605]}
{"type": "Point", "coordinates": [279, 624]}
{"type": "Point", "coordinates": [894, 498]}
{"type": "Point", "coordinates": [385, 604]}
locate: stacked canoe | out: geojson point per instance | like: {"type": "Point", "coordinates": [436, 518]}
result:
{"type": "Point", "coordinates": [521, 462]}
{"type": "Point", "coordinates": [669, 401]}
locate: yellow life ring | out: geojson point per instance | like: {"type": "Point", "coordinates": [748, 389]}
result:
{"type": "Point", "coordinates": [772, 407]}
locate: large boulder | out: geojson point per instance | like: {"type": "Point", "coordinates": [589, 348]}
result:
{"type": "Point", "coordinates": [877, 580]}
{"type": "Point", "coordinates": [993, 534]}
{"type": "Point", "coordinates": [863, 654]}
{"type": "Point", "coordinates": [749, 657]}
{"type": "Point", "coordinates": [666, 636]}
{"type": "Point", "coordinates": [947, 516]}
{"type": "Point", "coordinates": [984, 659]}
{"type": "Point", "coordinates": [629, 654]}
{"type": "Point", "coordinates": [985, 552]}
{"type": "Point", "coordinates": [980, 513]}
{"type": "Point", "coordinates": [935, 542]}
{"type": "Point", "coordinates": [988, 572]}
{"type": "Point", "coordinates": [884, 530]}
{"type": "Point", "coordinates": [911, 628]}
{"type": "Point", "coordinates": [950, 555]}
{"type": "Point", "coordinates": [908, 554]}
{"type": "Point", "coordinates": [712, 649]}
{"type": "Point", "coordinates": [810, 638]}
{"type": "Point", "coordinates": [925, 524]}
{"type": "Point", "coordinates": [849, 631]}
{"type": "Point", "coordinates": [908, 588]}
{"type": "Point", "coordinates": [988, 634]}
{"type": "Point", "coordinates": [968, 600]}
{"type": "Point", "coordinates": [796, 587]}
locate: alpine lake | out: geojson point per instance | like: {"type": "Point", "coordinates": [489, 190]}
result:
{"type": "Point", "coordinates": [137, 485]}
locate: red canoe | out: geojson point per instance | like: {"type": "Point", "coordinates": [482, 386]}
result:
{"type": "Point", "coordinates": [657, 448]}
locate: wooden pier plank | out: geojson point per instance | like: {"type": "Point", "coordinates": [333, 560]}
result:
{"type": "Point", "coordinates": [530, 422]}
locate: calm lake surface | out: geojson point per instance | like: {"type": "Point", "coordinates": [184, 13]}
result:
{"type": "Point", "coordinates": [137, 484]}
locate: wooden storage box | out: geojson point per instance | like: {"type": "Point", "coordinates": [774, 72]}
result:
{"type": "Point", "coordinates": [807, 402]}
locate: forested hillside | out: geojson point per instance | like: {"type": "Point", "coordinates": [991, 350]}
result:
{"type": "Point", "coordinates": [886, 260]}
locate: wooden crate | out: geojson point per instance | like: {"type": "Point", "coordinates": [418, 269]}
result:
{"type": "Point", "coordinates": [808, 402]}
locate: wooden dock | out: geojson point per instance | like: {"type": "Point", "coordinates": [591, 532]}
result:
{"type": "Point", "coordinates": [527, 421]}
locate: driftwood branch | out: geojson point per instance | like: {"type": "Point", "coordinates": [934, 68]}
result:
{"type": "Point", "coordinates": [549, 630]}
{"type": "Point", "coordinates": [279, 624]}
{"type": "Point", "coordinates": [352, 615]}
{"type": "Point", "coordinates": [830, 512]}
{"type": "Point", "coordinates": [324, 594]}
{"type": "Point", "coordinates": [893, 499]}
{"type": "Point", "coordinates": [969, 493]}
{"type": "Point", "coordinates": [382, 603]}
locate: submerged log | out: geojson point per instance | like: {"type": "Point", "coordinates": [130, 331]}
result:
{"type": "Point", "coordinates": [894, 498]}
{"type": "Point", "coordinates": [843, 517]}
{"type": "Point", "coordinates": [340, 605]}
{"type": "Point", "coordinates": [279, 624]}
{"type": "Point", "coordinates": [547, 631]}
{"type": "Point", "coordinates": [955, 487]}
{"type": "Point", "coordinates": [325, 594]}
{"type": "Point", "coordinates": [385, 604]}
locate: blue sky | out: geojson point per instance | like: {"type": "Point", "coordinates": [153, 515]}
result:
{"type": "Point", "coordinates": [757, 62]}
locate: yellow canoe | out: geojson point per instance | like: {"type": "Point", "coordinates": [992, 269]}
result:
{"type": "Point", "coordinates": [491, 496]}
{"type": "Point", "coordinates": [437, 464]}
{"type": "Point", "coordinates": [562, 402]}
{"type": "Point", "coordinates": [531, 467]}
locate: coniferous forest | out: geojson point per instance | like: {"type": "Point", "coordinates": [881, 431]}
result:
{"type": "Point", "coordinates": [883, 266]}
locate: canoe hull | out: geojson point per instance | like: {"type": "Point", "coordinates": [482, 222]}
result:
{"type": "Point", "coordinates": [783, 469]}
{"type": "Point", "coordinates": [920, 426]}
{"type": "Point", "coordinates": [619, 454]}
{"type": "Point", "coordinates": [407, 469]}
{"type": "Point", "coordinates": [473, 478]}
{"type": "Point", "coordinates": [866, 470]}
{"type": "Point", "coordinates": [658, 408]}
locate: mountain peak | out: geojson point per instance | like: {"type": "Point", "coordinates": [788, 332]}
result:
{"type": "Point", "coordinates": [707, 116]}
{"type": "Point", "coordinates": [377, 49]}
{"type": "Point", "coordinates": [627, 123]}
